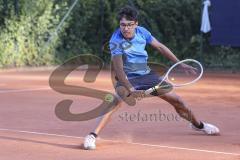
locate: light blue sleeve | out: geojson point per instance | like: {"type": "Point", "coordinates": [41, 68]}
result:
{"type": "Point", "coordinates": [148, 36]}
{"type": "Point", "coordinates": [114, 46]}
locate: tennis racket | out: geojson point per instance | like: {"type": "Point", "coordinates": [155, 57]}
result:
{"type": "Point", "coordinates": [182, 73]}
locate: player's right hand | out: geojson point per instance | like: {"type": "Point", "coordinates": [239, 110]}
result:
{"type": "Point", "coordinates": [138, 94]}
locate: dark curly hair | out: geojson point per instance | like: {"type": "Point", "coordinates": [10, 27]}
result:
{"type": "Point", "coordinates": [129, 13]}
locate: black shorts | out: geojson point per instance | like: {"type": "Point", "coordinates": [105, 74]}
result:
{"type": "Point", "coordinates": [144, 82]}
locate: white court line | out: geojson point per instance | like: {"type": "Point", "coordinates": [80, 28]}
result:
{"type": "Point", "coordinates": [23, 90]}
{"type": "Point", "coordinates": [132, 143]}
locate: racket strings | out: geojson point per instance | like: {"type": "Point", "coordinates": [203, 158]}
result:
{"type": "Point", "coordinates": [184, 73]}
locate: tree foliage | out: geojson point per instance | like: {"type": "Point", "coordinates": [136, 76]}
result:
{"type": "Point", "coordinates": [24, 39]}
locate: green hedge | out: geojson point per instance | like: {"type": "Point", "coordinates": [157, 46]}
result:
{"type": "Point", "coordinates": [23, 38]}
{"type": "Point", "coordinates": [176, 23]}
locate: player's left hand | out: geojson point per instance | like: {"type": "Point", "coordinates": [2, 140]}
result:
{"type": "Point", "coordinates": [189, 69]}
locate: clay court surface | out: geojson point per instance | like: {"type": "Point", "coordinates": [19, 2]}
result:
{"type": "Point", "coordinates": [30, 130]}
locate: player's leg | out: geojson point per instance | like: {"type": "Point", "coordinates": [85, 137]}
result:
{"type": "Point", "coordinates": [123, 96]}
{"type": "Point", "coordinates": [180, 107]}
{"type": "Point", "coordinates": [105, 119]}
{"type": "Point", "coordinates": [90, 139]}
{"type": "Point", "coordinates": [186, 113]}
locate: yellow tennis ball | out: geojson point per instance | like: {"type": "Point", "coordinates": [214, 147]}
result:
{"type": "Point", "coordinates": [172, 79]}
{"type": "Point", "coordinates": [108, 98]}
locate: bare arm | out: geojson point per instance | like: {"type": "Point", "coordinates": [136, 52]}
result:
{"type": "Point", "coordinates": [118, 68]}
{"type": "Point", "coordinates": [164, 50]}
{"type": "Point", "coordinates": [167, 53]}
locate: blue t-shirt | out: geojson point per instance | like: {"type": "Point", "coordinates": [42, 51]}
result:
{"type": "Point", "coordinates": [134, 54]}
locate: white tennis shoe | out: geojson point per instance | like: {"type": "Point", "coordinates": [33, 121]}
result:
{"type": "Point", "coordinates": [208, 129]}
{"type": "Point", "coordinates": [89, 142]}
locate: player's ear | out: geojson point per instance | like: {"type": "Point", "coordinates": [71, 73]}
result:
{"type": "Point", "coordinates": [136, 22]}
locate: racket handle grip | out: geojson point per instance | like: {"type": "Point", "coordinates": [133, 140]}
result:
{"type": "Point", "coordinates": [150, 90]}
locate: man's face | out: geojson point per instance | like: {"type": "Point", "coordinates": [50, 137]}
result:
{"type": "Point", "coordinates": [128, 28]}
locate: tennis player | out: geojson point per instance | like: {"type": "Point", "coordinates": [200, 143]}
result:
{"type": "Point", "coordinates": [133, 73]}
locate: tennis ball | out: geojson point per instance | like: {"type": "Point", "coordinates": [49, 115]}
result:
{"type": "Point", "coordinates": [108, 98]}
